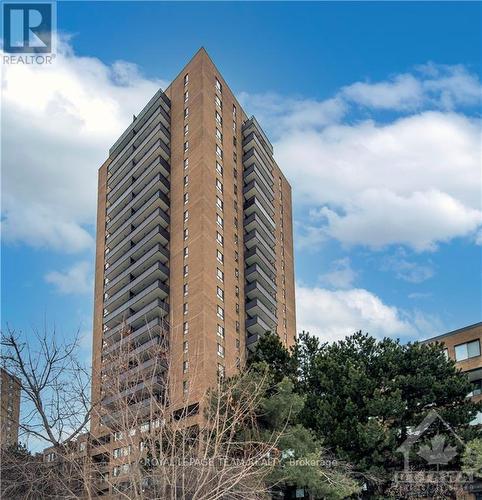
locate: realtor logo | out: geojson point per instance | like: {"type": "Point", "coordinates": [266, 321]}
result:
{"type": "Point", "coordinates": [27, 28]}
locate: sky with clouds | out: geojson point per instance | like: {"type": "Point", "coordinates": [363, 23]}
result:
{"type": "Point", "coordinates": [374, 114]}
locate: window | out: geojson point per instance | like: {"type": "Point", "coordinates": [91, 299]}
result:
{"type": "Point", "coordinates": [235, 222]}
{"type": "Point", "coordinates": [219, 256]}
{"type": "Point", "coordinates": [116, 471]}
{"type": "Point", "coordinates": [218, 86]}
{"type": "Point", "coordinates": [219, 238]}
{"type": "Point", "coordinates": [185, 346]}
{"type": "Point", "coordinates": [220, 312]}
{"type": "Point", "coordinates": [218, 101]}
{"type": "Point", "coordinates": [186, 96]}
{"type": "Point", "coordinates": [219, 118]}
{"type": "Point", "coordinates": [186, 215]}
{"type": "Point", "coordinates": [82, 446]}
{"type": "Point", "coordinates": [220, 351]}
{"type": "Point", "coordinates": [185, 387]}
{"type": "Point", "coordinates": [186, 162]}
{"type": "Point", "coordinates": [220, 293]}
{"type": "Point", "coordinates": [220, 370]}
{"type": "Point", "coordinates": [219, 168]}
{"type": "Point", "coordinates": [467, 350]}
{"type": "Point", "coordinates": [185, 308]}
{"type": "Point", "coordinates": [237, 308]}
{"type": "Point", "coordinates": [186, 128]}
{"type": "Point", "coordinates": [186, 180]}
{"type": "Point", "coordinates": [185, 328]}
{"type": "Point", "coordinates": [185, 366]}
{"type": "Point", "coordinates": [145, 427]}
{"type": "Point", "coordinates": [236, 290]}
{"type": "Point", "coordinates": [236, 273]}
{"type": "Point", "coordinates": [220, 331]}
{"type": "Point", "coordinates": [118, 436]}
{"type": "Point", "coordinates": [186, 198]}
{"type": "Point", "coordinates": [237, 344]}
{"type": "Point", "coordinates": [237, 326]}
{"type": "Point", "coordinates": [219, 135]}
{"type": "Point", "coordinates": [219, 151]}
{"type": "Point", "coordinates": [219, 202]}
{"type": "Point", "coordinates": [186, 146]}
{"type": "Point", "coordinates": [186, 252]}
{"type": "Point", "coordinates": [219, 185]}
{"type": "Point", "coordinates": [186, 78]}
{"type": "Point", "coordinates": [236, 256]}
{"type": "Point", "coordinates": [186, 112]}
{"type": "Point", "coordinates": [186, 270]}
{"type": "Point", "coordinates": [476, 388]}
{"type": "Point", "coordinates": [185, 288]}
{"type": "Point", "coordinates": [186, 233]}
{"type": "Point", "coordinates": [234, 109]}
{"type": "Point", "coordinates": [219, 220]}
{"type": "Point", "coordinates": [235, 173]}
{"type": "Point", "coordinates": [219, 274]}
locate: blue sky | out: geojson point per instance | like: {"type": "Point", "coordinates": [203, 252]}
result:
{"type": "Point", "coordinates": [374, 111]}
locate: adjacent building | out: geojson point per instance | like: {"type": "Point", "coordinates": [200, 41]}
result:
{"type": "Point", "coordinates": [10, 391]}
{"type": "Point", "coordinates": [464, 347]}
{"type": "Point", "coordinates": [194, 241]}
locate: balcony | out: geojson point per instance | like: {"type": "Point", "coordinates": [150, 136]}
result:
{"type": "Point", "coordinates": [253, 157]}
{"type": "Point", "coordinates": [256, 204]}
{"type": "Point", "coordinates": [139, 139]}
{"type": "Point", "coordinates": [255, 256]}
{"type": "Point", "coordinates": [257, 273]}
{"type": "Point", "coordinates": [136, 202]}
{"type": "Point", "coordinates": [256, 239]}
{"type": "Point", "coordinates": [156, 272]}
{"type": "Point", "coordinates": [159, 100]}
{"type": "Point", "coordinates": [142, 408]}
{"type": "Point", "coordinates": [255, 290]}
{"type": "Point", "coordinates": [156, 309]}
{"type": "Point", "coordinates": [256, 308]}
{"type": "Point", "coordinates": [143, 229]}
{"type": "Point", "coordinates": [156, 328]}
{"type": "Point", "coordinates": [153, 144]}
{"type": "Point", "coordinates": [252, 126]}
{"type": "Point", "coordinates": [142, 188]}
{"type": "Point", "coordinates": [254, 190]}
{"type": "Point", "coordinates": [147, 166]}
{"type": "Point", "coordinates": [116, 260]}
{"type": "Point", "coordinates": [136, 219]}
{"type": "Point", "coordinates": [141, 390]}
{"type": "Point", "coordinates": [254, 221]}
{"type": "Point", "coordinates": [135, 304]}
{"type": "Point", "coordinates": [256, 326]}
{"type": "Point", "coordinates": [255, 173]}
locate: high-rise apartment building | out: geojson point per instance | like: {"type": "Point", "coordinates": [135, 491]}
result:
{"type": "Point", "coordinates": [10, 389]}
{"type": "Point", "coordinates": [194, 236]}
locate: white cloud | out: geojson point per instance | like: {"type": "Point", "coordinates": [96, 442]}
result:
{"type": "Point", "coordinates": [341, 274]}
{"type": "Point", "coordinates": [333, 314]}
{"type": "Point", "coordinates": [414, 181]}
{"type": "Point", "coordinates": [75, 280]}
{"type": "Point", "coordinates": [58, 122]}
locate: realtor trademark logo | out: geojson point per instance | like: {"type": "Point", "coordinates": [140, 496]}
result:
{"type": "Point", "coordinates": [27, 28]}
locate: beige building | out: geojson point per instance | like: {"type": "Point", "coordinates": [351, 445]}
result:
{"type": "Point", "coordinates": [10, 391]}
{"type": "Point", "coordinates": [194, 238]}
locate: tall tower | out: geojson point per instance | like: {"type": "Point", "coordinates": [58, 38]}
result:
{"type": "Point", "coordinates": [194, 235]}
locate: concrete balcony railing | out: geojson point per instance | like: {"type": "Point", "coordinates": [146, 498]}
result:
{"type": "Point", "coordinates": [159, 100]}
{"type": "Point", "coordinates": [255, 290]}
{"type": "Point", "coordinates": [257, 326]}
{"type": "Point", "coordinates": [253, 157]}
{"type": "Point", "coordinates": [138, 140]}
{"type": "Point", "coordinates": [156, 328]}
{"type": "Point", "coordinates": [256, 308]}
{"type": "Point", "coordinates": [255, 204]}
{"type": "Point", "coordinates": [140, 390]}
{"type": "Point", "coordinates": [155, 309]}
{"type": "Point", "coordinates": [254, 190]}
{"type": "Point", "coordinates": [150, 261]}
{"type": "Point", "coordinates": [143, 229]}
{"type": "Point", "coordinates": [153, 163]}
{"type": "Point", "coordinates": [255, 173]}
{"type": "Point", "coordinates": [257, 273]}
{"type": "Point", "coordinates": [254, 221]}
{"type": "Point", "coordinates": [145, 185]}
{"type": "Point", "coordinates": [116, 259]}
{"type": "Point", "coordinates": [137, 202]}
{"type": "Point", "coordinates": [252, 126]}
{"type": "Point", "coordinates": [154, 273]}
{"type": "Point", "coordinates": [255, 255]}
{"type": "Point", "coordinates": [136, 219]}
{"type": "Point", "coordinates": [133, 305]}
{"type": "Point", "coordinates": [257, 239]}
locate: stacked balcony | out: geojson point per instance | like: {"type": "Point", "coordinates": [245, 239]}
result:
{"type": "Point", "coordinates": [136, 274]}
{"type": "Point", "coordinates": [259, 233]}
